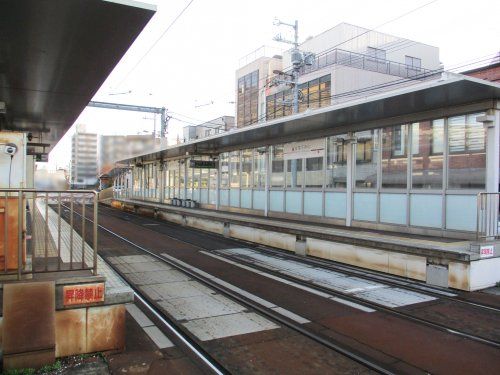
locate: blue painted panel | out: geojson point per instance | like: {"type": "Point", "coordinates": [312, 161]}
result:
{"type": "Point", "coordinates": [393, 208]}
{"type": "Point", "coordinates": [426, 210]}
{"type": "Point", "coordinates": [189, 194]}
{"type": "Point", "coordinates": [246, 198]}
{"type": "Point", "coordinates": [336, 205]}
{"type": "Point", "coordinates": [181, 194]}
{"type": "Point", "coordinates": [276, 201]}
{"type": "Point", "coordinates": [224, 197]}
{"type": "Point", "coordinates": [259, 199]}
{"type": "Point", "coordinates": [234, 196]}
{"type": "Point", "coordinates": [212, 197]}
{"type": "Point", "coordinates": [196, 195]}
{"type": "Point", "coordinates": [313, 203]}
{"type": "Point", "coordinates": [294, 202]}
{"type": "Point", "coordinates": [365, 206]}
{"type": "Point", "coordinates": [204, 196]}
{"type": "Point", "coordinates": [461, 212]}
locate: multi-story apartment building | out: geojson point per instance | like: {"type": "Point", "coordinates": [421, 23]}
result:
{"type": "Point", "coordinates": [348, 60]}
{"type": "Point", "coordinates": [83, 159]}
{"type": "Point", "coordinates": [113, 148]}
{"type": "Point", "coordinates": [212, 127]}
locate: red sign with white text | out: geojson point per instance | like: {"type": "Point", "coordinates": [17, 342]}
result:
{"type": "Point", "coordinates": [83, 294]}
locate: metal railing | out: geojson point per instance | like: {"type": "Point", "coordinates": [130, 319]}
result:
{"type": "Point", "coordinates": [366, 62]}
{"type": "Point", "coordinates": [487, 216]}
{"type": "Point", "coordinates": [37, 231]}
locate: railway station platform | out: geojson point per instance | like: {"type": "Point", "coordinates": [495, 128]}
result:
{"type": "Point", "coordinates": [446, 262]}
{"type": "Point", "coordinates": [68, 300]}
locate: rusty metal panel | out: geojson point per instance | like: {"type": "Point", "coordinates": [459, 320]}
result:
{"type": "Point", "coordinates": [105, 328]}
{"type": "Point", "coordinates": [29, 323]}
{"type": "Point", "coordinates": [9, 233]}
{"type": "Point", "coordinates": [71, 332]}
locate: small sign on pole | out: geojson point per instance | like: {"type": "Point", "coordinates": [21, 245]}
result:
{"type": "Point", "coordinates": [487, 251]}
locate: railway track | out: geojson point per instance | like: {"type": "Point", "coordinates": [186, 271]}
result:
{"type": "Point", "coordinates": [351, 271]}
{"type": "Point", "coordinates": [267, 312]}
{"type": "Point", "coordinates": [280, 318]}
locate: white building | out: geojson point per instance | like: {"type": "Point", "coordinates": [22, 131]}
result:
{"type": "Point", "coordinates": [83, 159]}
{"type": "Point", "coordinates": [348, 59]}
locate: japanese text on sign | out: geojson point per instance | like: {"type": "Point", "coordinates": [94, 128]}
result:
{"type": "Point", "coordinates": [487, 251]}
{"type": "Point", "coordinates": [83, 294]}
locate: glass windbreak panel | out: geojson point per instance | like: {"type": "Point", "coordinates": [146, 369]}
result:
{"type": "Point", "coordinates": [294, 175]}
{"type": "Point", "coordinates": [367, 158]}
{"type": "Point", "coordinates": [196, 178]}
{"type": "Point", "coordinates": [182, 175]}
{"type": "Point", "coordinates": [234, 162]}
{"type": "Point", "coordinates": [277, 167]}
{"type": "Point", "coordinates": [189, 177]}
{"type": "Point", "coordinates": [427, 154]}
{"type": "Point", "coordinates": [212, 179]}
{"type": "Point", "coordinates": [259, 169]}
{"type": "Point", "coordinates": [394, 157]}
{"type": "Point", "coordinates": [224, 170]}
{"type": "Point", "coordinates": [246, 168]}
{"type": "Point", "coordinates": [336, 168]}
{"type": "Point", "coordinates": [204, 178]}
{"type": "Point", "coordinates": [467, 153]}
{"type": "Point", "coordinates": [314, 172]}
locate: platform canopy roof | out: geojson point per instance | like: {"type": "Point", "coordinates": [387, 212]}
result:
{"type": "Point", "coordinates": [55, 54]}
{"type": "Point", "coordinates": [438, 97]}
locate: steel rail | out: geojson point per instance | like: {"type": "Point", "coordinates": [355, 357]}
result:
{"type": "Point", "coordinates": [351, 298]}
{"type": "Point", "coordinates": [194, 347]}
{"type": "Point", "coordinates": [335, 266]}
{"type": "Point", "coordinates": [257, 307]}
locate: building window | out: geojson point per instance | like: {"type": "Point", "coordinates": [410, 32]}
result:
{"type": "Point", "coordinates": [313, 94]}
{"type": "Point", "coordinates": [467, 153]}
{"type": "Point", "coordinates": [394, 157]}
{"type": "Point", "coordinates": [367, 158]}
{"type": "Point", "coordinates": [248, 99]}
{"type": "Point", "coordinates": [427, 154]}
{"type": "Point", "coordinates": [336, 168]}
{"type": "Point", "coordinates": [277, 167]}
{"type": "Point", "coordinates": [413, 62]}
{"type": "Point", "coordinates": [376, 53]}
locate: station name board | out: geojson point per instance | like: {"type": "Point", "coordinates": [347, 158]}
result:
{"type": "Point", "coordinates": [305, 149]}
{"type": "Point", "coordinates": [202, 164]}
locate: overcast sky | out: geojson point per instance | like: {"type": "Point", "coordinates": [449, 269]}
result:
{"type": "Point", "coordinates": [194, 63]}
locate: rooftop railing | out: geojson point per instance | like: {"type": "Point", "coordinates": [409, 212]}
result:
{"type": "Point", "coordinates": [37, 232]}
{"type": "Point", "coordinates": [366, 62]}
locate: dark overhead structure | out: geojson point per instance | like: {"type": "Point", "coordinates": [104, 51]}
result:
{"type": "Point", "coordinates": [54, 56]}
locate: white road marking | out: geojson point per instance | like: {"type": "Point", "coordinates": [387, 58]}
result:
{"type": "Point", "coordinates": [368, 290]}
{"type": "Point", "coordinates": [246, 294]}
{"type": "Point", "coordinates": [291, 283]}
{"type": "Point", "coordinates": [154, 333]}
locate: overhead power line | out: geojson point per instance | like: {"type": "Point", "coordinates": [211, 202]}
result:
{"type": "Point", "coordinates": [156, 42]}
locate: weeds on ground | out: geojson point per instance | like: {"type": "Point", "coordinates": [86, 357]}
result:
{"type": "Point", "coordinates": [58, 366]}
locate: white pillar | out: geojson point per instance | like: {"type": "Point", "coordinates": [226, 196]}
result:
{"type": "Point", "coordinates": [491, 122]}
{"type": "Point", "coordinates": [266, 183]}
{"type": "Point", "coordinates": [351, 162]}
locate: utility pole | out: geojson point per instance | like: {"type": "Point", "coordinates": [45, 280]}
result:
{"type": "Point", "coordinates": [298, 59]}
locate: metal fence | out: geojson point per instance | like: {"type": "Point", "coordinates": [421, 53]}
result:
{"type": "Point", "coordinates": [366, 62]}
{"type": "Point", "coordinates": [37, 231]}
{"type": "Point", "coordinates": [487, 216]}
